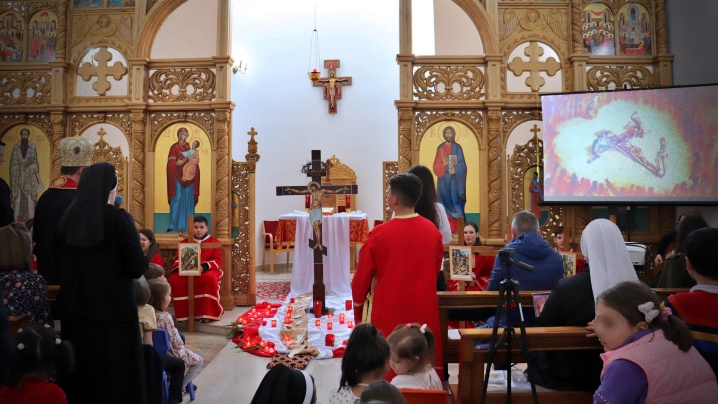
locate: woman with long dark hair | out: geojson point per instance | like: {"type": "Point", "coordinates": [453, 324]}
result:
{"type": "Point", "coordinates": [150, 247]}
{"type": "Point", "coordinates": [428, 206]}
{"type": "Point", "coordinates": [99, 254]}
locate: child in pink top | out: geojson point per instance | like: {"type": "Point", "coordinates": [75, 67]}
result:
{"type": "Point", "coordinates": [412, 351]}
{"type": "Point", "coordinates": [649, 355]}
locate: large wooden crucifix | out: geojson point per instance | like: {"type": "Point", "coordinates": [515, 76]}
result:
{"type": "Point", "coordinates": [332, 84]}
{"type": "Point", "coordinates": [316, 169]}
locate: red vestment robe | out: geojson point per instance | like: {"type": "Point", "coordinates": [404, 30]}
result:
{"type": "Point", "coordinates": [206, 286]}
{"type": "Point", "coordinates": [157, 259]}
{"type": "Point", "coordinates": [404, 255]}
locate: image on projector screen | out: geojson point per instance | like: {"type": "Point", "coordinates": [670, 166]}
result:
{"type": "Point", "coordinates": [632, 146]}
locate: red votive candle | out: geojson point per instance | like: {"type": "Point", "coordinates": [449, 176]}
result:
{"type": "Point", "coordinates": [266, 313]}
{"type": "Point", "coordinates": [264, 323]}
{"type": "Point", "coordinates": [350, 324]}
{"type": "Point", "coordinates": [307, 199]}
{"type": "Point", "coordinates": [349, 201]}
{"type": "Point", "coordinates": [341, 318]}
{"type": "Point", "coordinates": [330, 315]}
{"type": "Point", "coordinates": [329, 340]}
{"type": "Point", "coordinates": [317, 308]}
{"type": "Point", "coordinates": [317, 323]}
{"type": "Point", "coordinates": [274, 323]}
{"type": "Point", "coordinates": [284, 298]}
{"type": "Point", "coordinates": [329, 325]}
{"type": "Point", "coordinates": [348, 305]}
{"type": "Point", "coordinates": [291, 300]}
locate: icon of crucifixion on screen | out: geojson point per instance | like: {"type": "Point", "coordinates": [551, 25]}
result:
{"type": "Point", "coordinates": [607, 140]}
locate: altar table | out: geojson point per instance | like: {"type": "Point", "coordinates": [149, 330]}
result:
{"type": "Point", "coordinates": [338, 230]}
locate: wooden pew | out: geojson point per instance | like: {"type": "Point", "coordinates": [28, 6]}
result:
{"type": "Point", "coordinates": [52, 292]}
{"type": "Point", "coordinates": [468, 300]}
{"type": "Point", "coordinates": [473, 361]}
{"type": "Point", "coordinates": [484, 300]}
{"type": "Point", "coordinates": [16, 323]}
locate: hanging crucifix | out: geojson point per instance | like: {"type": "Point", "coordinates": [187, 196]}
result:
{"type": "Point", "coordinates": [316, 169]}
{"type": "Point", "coordinates": [332, 84]}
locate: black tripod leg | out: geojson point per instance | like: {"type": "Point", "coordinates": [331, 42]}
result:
{"type": "Point", "coordinates": [524, 344]}
{"type": "Point", "coordinates": [495, 342]}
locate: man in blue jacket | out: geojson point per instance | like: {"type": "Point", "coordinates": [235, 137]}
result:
{"type": "Point", "coordinates": [530, 248]}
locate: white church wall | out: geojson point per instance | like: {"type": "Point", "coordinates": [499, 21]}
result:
{"type": "Point", "coordinates": [189, 32]}
{"type": "Point", "coordinates": [275, 95]}
{"type": "Point", "coordinates": [455, 33]}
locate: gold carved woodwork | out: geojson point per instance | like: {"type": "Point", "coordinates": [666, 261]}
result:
{"type": "Point", "coordinates": [551, 20]}
{"type": "Point", "coordinates": [102, 70]}
{"type": "Point", "coordinates": [25, 88]}
{"type": "Point", "coordinates": [448, 83]}
{"type": "Point", "coordinates": [252, 157]}
{"type": "Point", "coordinates": [523, 158]}
{"type": "Point", "coordinates": [137, 202]}
{"type": "Point", "coordinates": [558, 45]}
{"type": "Point", "coordinates": [511, 119]}
{"type": "Point", "coordinates": [494, 175]}
{"type": "Point", "coordinates": [405, 127]}
{"type": "Point", "coordinates": [534, 66]}
{"type": "Point", "coordinates": [615, 77]}
{"type": "Point", "coordinates": [240, 245]}
{"type": "Point", "coordinates": [102, 29]}
{"type": "Point", "coordinates": [471, 118]}
{"type": "Point", "coordinates": [103, 152]}
{"type": "Point", "coordinates": [79, 122]}
{"type": "Point", "coordinates": [338, 174]}
{"type": "Point", "coordinates": [222, 175]}
{"type": "Point", "coordinates": [160, 120]}
{"type": "Point", "coordinates": [177, 85]}
{"type": "Point", "coordinates": [57, 120]}
{"type": "Point", "coordinates": [391, 168]}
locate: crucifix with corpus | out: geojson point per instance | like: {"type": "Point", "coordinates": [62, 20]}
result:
{"type": "Point", "coordinates": [316, 169]}
{"type": "Point", "coordinates": [332, 84]}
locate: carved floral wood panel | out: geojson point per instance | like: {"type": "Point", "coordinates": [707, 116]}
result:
{"type": "Point", "coordinates": [448, 83]}
{"type": "Point", "coordinates": [25, 88]}
{"type": "Point", "coordinates": [240, 244]}
{"type": "Point", "coordinates": [617, 77]}
{"type": "Point", "coordinates": [391, 168]}
{"type": "Point", "coordinates": [182, 85]}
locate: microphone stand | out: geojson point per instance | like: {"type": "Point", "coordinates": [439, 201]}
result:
{"type": "Point", "coordinates": [509, 288]}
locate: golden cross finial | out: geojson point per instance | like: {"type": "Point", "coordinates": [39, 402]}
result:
{"type": "Point", "coordinates": [535, 130]}
{"type": "Point", "coordinates": [102, 134]}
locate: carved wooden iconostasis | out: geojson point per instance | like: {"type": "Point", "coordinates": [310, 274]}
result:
{"type": "Point", "coordinates": [85, 68]}
{"type": "Point", "coordinates": [530, 48]}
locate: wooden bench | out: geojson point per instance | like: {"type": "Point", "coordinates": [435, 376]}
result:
{"type": "Point", "coordinates": [468, 300]}
{"type": "Point", "coordinates": [472, 363]}
{"type": "Point", "coordinates": [16, 323]}
{"type": "Point", "coordinates": [487, 300]}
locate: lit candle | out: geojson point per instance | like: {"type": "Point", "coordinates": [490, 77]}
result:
{"type": "Point", "coordinates": [307, 199]}
{"type": "Point", "coordinates": [348, 202]}
{"type": "Point", "coordinates": [274, 323]}
{"type": "Point", "coordinates": [317, 308]}
{"type": "Point", "coordinates": [284, 298]}
{"type": "Point", "coordinates": [329, 325]}
{"type": "Point", "coordinates": [317, 323]}
{"type": "Point", "coordinates": [254, 310]}
{"type": "Point", "coordinates": [341, 318]}
{"type": "Point", "coordinates": [330, 315]}
{"type": "Point", "coordinates": [291, 300]}
{"type": "Point", "coordinates": [346, 341]}
{"type": "Point", "coordinates": [266, 313]}
{"type": "Point", "coordinates": [329, 340]}
{"type": "Point", "coordinates": [350, 324]}
{"type": "Point", "coordinates": [348, 304]}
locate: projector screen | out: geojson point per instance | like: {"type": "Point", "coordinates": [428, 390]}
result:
{"type": "Point", "coordinates": [648, 146]}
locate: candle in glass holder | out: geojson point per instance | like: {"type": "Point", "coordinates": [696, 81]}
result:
{"type": "Point", "coordinates": [329, 340]}
{"type": "Point", "coordinates": [330, 315]}
{"type": "Point", "coordinates": [254, 310]}
{"type": "Point", "coordinates": [329, 325]}
{"type": "Point", "coordinates": [346, 341]}
{"type": "Point", "coordinates": [317, 323]}
{"type": "Point", "coordinates": [274, 323]}
{"type": "Point", "coordinates": [317, 308]}
{"type": "Point", "coordinates": [341, 318]}
{"type": "Point", "coordinates": [284, 298]}
{"type": "Point", "coordinates": [307, 199]}
{"type": "Point", "coordinates": [348, 305]}
{"type": "Point", "coordinates": [264, 323]}
{"type": "Point", "coordinates": [291, 300]}
{"type": "Point", "coordinates": [348, 202]}
{"type": "Point", "coordinates": [350, 324]}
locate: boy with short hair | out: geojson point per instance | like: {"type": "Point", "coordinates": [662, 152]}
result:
{"type": "Point", "coordinates": [698, 307]}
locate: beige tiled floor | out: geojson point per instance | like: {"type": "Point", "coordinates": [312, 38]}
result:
{"type": "Point", "coordinates": [232, 376]}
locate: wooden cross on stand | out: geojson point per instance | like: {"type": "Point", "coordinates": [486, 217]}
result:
{"type": "Point", "coordinates": [316, 169]}
{"type": "Point", "coordinates": [190, 279]}
{"type": "Point", "coordinates": [102, 70]}
{"type": "Point", "coordinates": [332, 84]}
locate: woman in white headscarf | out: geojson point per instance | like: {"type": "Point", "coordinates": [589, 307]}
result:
{"type": "Point", "coordinates": [572, 303]}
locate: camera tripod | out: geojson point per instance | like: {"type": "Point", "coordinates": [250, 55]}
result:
{"type": "Point", "coordinates": [508, 288]}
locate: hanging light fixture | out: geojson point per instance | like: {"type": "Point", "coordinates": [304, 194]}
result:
{"type": "Point", "coordinates": [314, 49]}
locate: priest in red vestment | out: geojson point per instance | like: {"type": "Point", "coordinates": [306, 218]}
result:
{"type": "Point", "coordinates": [206, 286]}
{"type": "Point", "coordinates": [403, 256]}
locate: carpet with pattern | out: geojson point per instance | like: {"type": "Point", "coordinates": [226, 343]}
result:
{"type": "Point", "coordinates": [272, 291]}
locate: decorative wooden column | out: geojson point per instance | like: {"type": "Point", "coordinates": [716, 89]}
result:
{"type": "Point", "coordinates": [406, 122]}
{"type": "Point", "coordinates": [496, 189]}
{"type": "Point", "coordinates": [222, 211]}
{"type": "Point", "coordinates": [663, 60]}
{"type": "Point", "coordinates": [136, 192]}
{"type": "Point", "coordinates": [58, 130]}
{"type": "Point", "coordinates": [252, 157]}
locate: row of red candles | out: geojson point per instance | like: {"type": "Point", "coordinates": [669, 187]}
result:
{"type": "Point", "coordinates": [308, 199]}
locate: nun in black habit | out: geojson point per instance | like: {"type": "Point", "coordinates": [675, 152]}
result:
{"type": "Point", "coordinates": [99, 253]}
{"type": "Point", "coordinates": [285, 385]}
